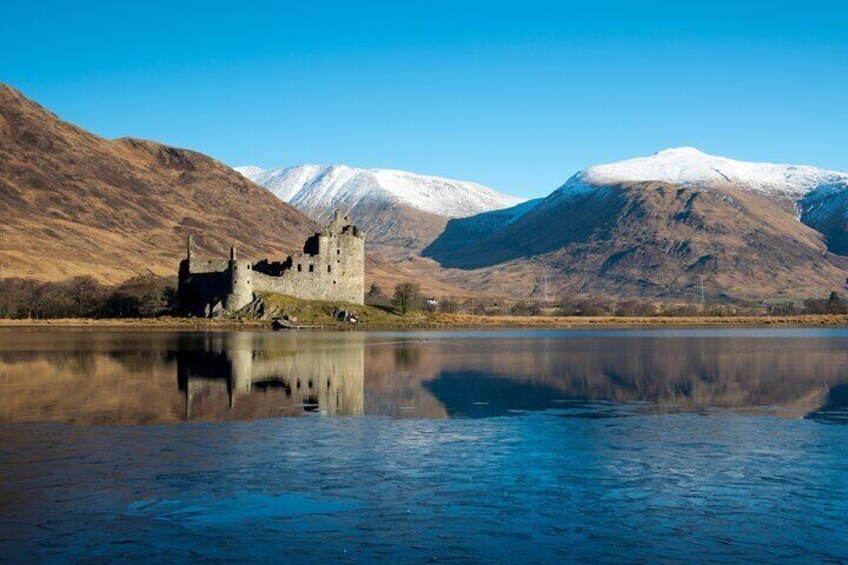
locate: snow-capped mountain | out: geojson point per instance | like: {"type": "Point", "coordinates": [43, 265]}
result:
{"type": "Point", "coordinates": [402, 212]}
{"type": "Point", "coordinates": [687, 166]}
{"type": "Point", "coordinates": [665, 224]}
{"type": "Point", "coordinates": [318, 190]}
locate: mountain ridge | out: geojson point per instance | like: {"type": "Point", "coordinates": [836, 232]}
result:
{"type": "Point", "coordinates": [433, 194]}
{"type": "Point", "coordinates": [630, 229]}
{"type": "Point", "coordinates": [404, 211]}
{"type": "Point", "coordinates": [690, 166]}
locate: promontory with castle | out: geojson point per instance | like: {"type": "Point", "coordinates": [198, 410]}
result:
{"type": "Point", "coordinates": [331, 268]}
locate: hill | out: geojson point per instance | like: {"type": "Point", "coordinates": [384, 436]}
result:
{"type": "Point", "coordinates": [74, 203]}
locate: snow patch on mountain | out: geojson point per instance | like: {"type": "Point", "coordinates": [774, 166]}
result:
{"type": "Point", "coordinates": [319, 188]}
{"type": "Point", "coordinates": [691, 167]}
{"type": "Point", "coordinates": [249, 171]}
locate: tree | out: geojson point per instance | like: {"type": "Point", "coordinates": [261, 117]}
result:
{"type": "Point", "coordinates": [52, 300]}
{"type": "Point", "coordinates": [84, 292]}
{"type": "Point", "coordinates": [154, 295]}
{"type": "Point", "coordinates": [375, 294]}
{"type": "Point", "coordinates": [835, 304]}
{"type": "Point", "coordinates": [406, 294]}
{"type": "Point", "coordinates": [120, 305]}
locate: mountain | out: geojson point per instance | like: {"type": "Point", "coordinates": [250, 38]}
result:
{"type": "Point", "coordinates": [73, 203]}
{"type": "Point", "coordinates": [663, 225]}
{"type": "Point", "coordinates": [403, 211]}
{"type": "Point", "coordinates": [687, 166]}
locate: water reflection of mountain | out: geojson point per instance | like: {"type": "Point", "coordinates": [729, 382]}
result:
{"type": "Point", "coordinates": [137, 378]}
{"type": "Point", "coordinates": [246, 376]}
{"type": "Point", "coordinates": [835, 409]}
{"type": "Point", "coordinates": [495, 375]}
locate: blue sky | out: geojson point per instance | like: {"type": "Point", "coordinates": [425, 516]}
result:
{"type": "Point", "coordinates": [516, 95]}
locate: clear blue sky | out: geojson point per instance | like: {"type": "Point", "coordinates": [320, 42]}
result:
{"type": "Point", "coordinates": [516, 95]}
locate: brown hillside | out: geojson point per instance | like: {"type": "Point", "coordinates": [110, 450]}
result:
{"type": "Point", "coordinates": [73, 203]}
{"type": "Point", "coordinates": [656, 240]}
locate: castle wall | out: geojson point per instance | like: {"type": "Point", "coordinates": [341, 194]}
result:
{"type": "Point", "coordinates": [203, 287]}
{"type": "Point", "coordinates": [331, 268]}
{"type": "Point", "coordinates": [337, 272]}
{"type": "Point", "coordinates": [209, 266]}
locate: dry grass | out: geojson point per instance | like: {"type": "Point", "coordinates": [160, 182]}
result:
{"type": "Point", "coordinates": [611, 321]}
{"type": "Point", "coordinates": [381, 319]}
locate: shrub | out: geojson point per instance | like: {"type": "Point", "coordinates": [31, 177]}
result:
{"type": "Point", "coordinates": [782, 309]}
{"type": "Point", "coordinates": [448, 306]}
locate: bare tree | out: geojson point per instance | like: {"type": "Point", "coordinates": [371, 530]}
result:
{"type": "Point", "coordinates": [406, 295]}
{"type": "Point", "coordinates": [85, 293]}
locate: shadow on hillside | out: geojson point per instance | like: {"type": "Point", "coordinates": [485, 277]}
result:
{"type": "Point", "coordinates": [553, 225]}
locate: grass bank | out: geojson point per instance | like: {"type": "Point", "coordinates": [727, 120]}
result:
{"type": "Point", "coordinates": [318, 313]}
{"type": "Point", "coordinates": [384, 320]}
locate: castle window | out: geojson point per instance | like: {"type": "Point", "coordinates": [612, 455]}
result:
{"type": "Point", "coordinates": [328, 268]}
{"type": "Point", "coordinates": [338, 251]}
{"type": "Point", "coordinates": [299, 267]}
{"type": "Point", "coordinates": [311, 268]}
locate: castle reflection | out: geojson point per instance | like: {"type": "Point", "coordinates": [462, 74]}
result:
{"type": "Point", "coordinates": [249, 376]}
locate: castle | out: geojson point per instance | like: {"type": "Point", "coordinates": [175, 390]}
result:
{"type": "Point", "coordinates": [331, 267]}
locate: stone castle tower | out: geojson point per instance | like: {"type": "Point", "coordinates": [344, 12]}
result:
{"type": "Point", "coordinates": [331, 267]}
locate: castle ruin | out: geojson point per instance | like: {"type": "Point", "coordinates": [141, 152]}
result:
{"type": "Point", "coordinates": [331, 267]}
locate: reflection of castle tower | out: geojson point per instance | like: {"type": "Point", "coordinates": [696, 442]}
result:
{"type": "Point", "coordinates": [245, 376]}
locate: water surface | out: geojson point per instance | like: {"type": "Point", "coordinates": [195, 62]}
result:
{"type": "Point", "coordinates": [490, 446]}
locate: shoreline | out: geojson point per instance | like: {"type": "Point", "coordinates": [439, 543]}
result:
{"type": "Point", "coordinates": [442, 321]}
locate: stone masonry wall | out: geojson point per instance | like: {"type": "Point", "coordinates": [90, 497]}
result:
{"type": "Point", "coordinates": [337, 272]}
{"type": "Point", "coordinates": [331, 268]}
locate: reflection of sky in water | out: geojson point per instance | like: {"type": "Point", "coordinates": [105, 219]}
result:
{"type": "Point", "coordinates": [728, 486]}
{"type": "Point", "coordinates": [241, 508]}
{"type": "Point", "coordinates": [559, 448]}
